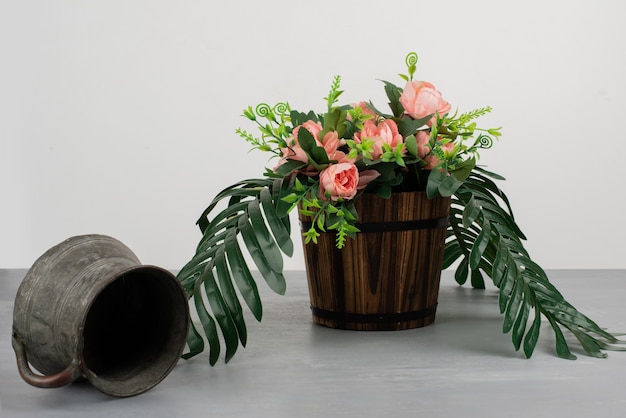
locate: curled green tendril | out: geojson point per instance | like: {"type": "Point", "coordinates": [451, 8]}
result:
{"type": "Point", "coordinates": [484, 141]}
{"type": "Point", "coordinates": [411, 59]}
{"type": "Point", "coordinates": [280, 108]}
{"type": "Point", "coordinates": [263, 110]}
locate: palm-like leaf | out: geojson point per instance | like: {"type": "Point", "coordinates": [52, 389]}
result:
{"type": "Point", "coordinates": [484, 235]}
{"type": "Point", "coordinates": [255, 211]}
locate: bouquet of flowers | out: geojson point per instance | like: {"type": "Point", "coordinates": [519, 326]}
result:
{"type": "Point", "coordinates": [324, 162]}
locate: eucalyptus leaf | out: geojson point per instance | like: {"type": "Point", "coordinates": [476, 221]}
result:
{"type": "Point", "coordinates": [411, 145]}
{"type": "Point", "coordinates": [409, 126]}
{"type": "Point", "coordinates": [435, 179]}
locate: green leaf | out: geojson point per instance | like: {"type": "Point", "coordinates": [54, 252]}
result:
{"type": "Point", "coordinates": [464, 169]}
{"type": "Point", "coordinates": [289, 166]}
{"type": "Point", "coordinates": [462, 271]}
{"type": "Point", "coordinates": [275, 280]}
{"type": "Point", "coordinates": [532, 336]}
{"type": "Point", "coordinates": [393, 94]}
{"type": "Point", "coordinates": [317, 155]}
{"type": "Point", "coordinates": [242, 276]}
{"type": "Point", "coordinates": [480, 245]}
{"type": "Point", "coordinates": [589, 344]}
{"type": "Point", "coordinates": [477, 279]}
{"type": "Point", "coordinates": [281, 189]}
{"type": "Point", "coordinates": [248, 187]}
{"type": "Point", "coordinates": [448, 185]}
{"type": "Point", "coordinates": [279, 230]}
{"type": "Point", "coordinates": [499, 265]}
{"type": "Point", "coordinates": [434, 180]}
{"type": "Point", "coordinates": [208, 324]}
{"type": "Point", "coordinates": [220, 311]}
{"type": "Point", "coordinates": [411, 145]}
{"type": "Point", "coordinates": [408, 126]}
{"type": "Point", "coordinates": [229, 296]}
{"type": "Point", "coordinates": [506, 286]}
{"type": "Point", "coordinates": [471, 212]}
{"type": "Point", "coordinates": [298, 118]}
{"type": "Point", "coordinates": [384, 191]}
{"type": "Point", "coordinates": [452, 252]}
{"type": "Point", "coordinates": [519, 327]}
{"type": "Point", "coordinates": [562, 349]}
{"type": "Point", "coordinates": [334, 121]}
{"type": "Point", "coordinates": [267, 244]}
{"type": "Point", "coordinates": [194, 342]}
{"type": "Point", "coordinates": [513, 306]}
{"type": "Point", "coordinates": [219, 249]}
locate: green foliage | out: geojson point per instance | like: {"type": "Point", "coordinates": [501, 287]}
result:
{"type": "Point", "coordinates": [411, 62]}
{"type": "Point", "coordinates": [393, 94]}
{"type": "Point", "coordinates": [218, 269]}
{"type": "Point", "coordinates": [274, 131]}
{"type": "Point", "coordinates": [334, 93]}
{"type": "Point", "coordinates": [484, 236]}
{"type": "Point", "coordinates": [482, 233]}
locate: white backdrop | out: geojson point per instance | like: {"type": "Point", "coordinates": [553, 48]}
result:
{"type": "Point", "coordinates": [118, 117]}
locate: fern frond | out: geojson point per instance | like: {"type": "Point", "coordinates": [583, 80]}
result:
{"type": "Point", "coordinates": [484, 235]}
{"type": "Point", "coordinates": [218, 276]}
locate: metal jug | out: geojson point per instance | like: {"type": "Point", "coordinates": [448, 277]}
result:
{"type": "Point", "coordinates": [87, 309]}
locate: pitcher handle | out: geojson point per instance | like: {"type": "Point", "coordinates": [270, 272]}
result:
{"type": "Point", "coordinates": [63, 378]}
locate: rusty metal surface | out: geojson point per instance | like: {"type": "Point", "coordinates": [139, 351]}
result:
{"type": "Point", "coordinates": [87, 307]}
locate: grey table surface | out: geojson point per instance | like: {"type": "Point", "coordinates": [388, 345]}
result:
{"type": "Point", "coordinates": [462, 365]}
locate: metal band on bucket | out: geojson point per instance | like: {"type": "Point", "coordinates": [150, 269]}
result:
{"type": "Point", "coordinates": [392, 226]}
{"type": "Point", "coordinates": [374, 318]}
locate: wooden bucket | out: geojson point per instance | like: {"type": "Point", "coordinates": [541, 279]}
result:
{"type": "Point", "coordinates": [388, 277]}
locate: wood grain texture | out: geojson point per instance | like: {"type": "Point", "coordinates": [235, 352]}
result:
{"type": "Point", "coordinates": [380, 278]}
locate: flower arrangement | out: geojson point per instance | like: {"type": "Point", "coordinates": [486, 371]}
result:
{"type": "Point", "coordinates": [356, 148]}
{"type": "Point", "coordinates": [325, 161]}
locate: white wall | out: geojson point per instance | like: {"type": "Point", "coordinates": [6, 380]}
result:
{"type": "Point", "coordinates": [118, 117]}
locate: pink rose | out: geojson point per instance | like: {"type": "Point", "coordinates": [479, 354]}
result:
{"type": "Point", "coordinates": [431, 162]}
{"type": "Point", "coordinates": [330, 142]}
{"type": "Point", "coordinates": [420, 99]}
{"type": "Point", "coordinates": [448, 149]}
{"type": "Point", "coordinates": [422, 138]}
{"type": "Point", "coordinates": [339, 181]}
{"type": "Point", "coordinates": [294, 151]}
{"type": "Point", "coordinates": [311, 126]}
{"type": "Point", "coordinates": [385, 132]}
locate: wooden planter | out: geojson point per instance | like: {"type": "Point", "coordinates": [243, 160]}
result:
{"type": "Point", "coordinates": [388, 277]}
